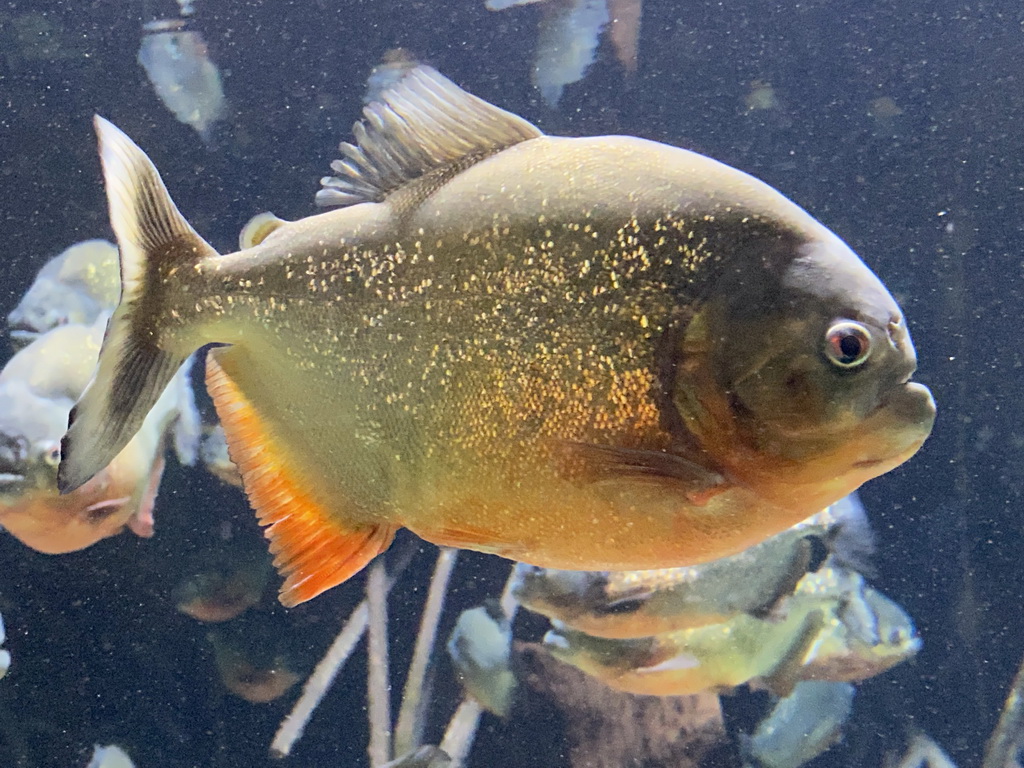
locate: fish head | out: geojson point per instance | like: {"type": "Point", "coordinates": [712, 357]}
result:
{"type": "Point", "coordinates": [31, 508]}
{"type": "Point", "coordinates": [556, 593]}
{"type": "Point", "coordinates": [30, 430]}
{"type": "Point", "coordinates": [74, 287]}
{"type": "Point", "coordinates": [802, 376]}
{"type": "Point", "coordinates": [48, 304]}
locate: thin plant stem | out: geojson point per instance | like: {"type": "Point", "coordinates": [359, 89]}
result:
{"type": "Point", "coordinates": [1005, 741]}
{"type": "Point", "coordinates": [409, 727]}
{"type": "Point", "coordinates": [323, 676]}
{"type": "Point", "coordinates": [377, 678]}
{"type": "Point", "coordinates": [458, 738]}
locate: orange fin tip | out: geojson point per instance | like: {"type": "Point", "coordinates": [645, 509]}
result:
{"type": "Point", "coordinates": [313, 550]}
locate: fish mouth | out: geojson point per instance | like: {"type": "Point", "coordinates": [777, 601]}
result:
{"type": "Point", "coordinates": [22, 332]}
{"type": "Point", "coordinates": [910, 409]}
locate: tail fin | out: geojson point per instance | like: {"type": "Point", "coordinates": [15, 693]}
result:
{"type": "Point", "coordinates": [134, 369]}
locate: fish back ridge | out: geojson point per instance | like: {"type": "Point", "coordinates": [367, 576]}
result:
{"type": "Point", "coordinates": [134, 367]}
{"type": "Point", "coordinates": [422, 124]}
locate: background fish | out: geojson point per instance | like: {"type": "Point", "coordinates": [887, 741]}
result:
{"type": "Point", "coordinates": [251, 662]}
{"type": "Point", "coordinates": [75, 286]}
{"type": "Point", "coordinates": [800, 727]}
{"type": "Point", "coordinates": [38, 387]}
{"type": "Point", "coordinates": [226, 587]}
{"type": "Point", "coordinates": [110, 756]}
{"type": "Point", "coordinates": [481, 650]}
{"type": "Point", "coordinates": [177, 63]}
{"type": "Point", "coordinates": [712, 658]}
{"type": "Point", "coordinates": [863, 633]}
{"type": "Point", "coordinates": [599, 353]}
{"type": "Point", "coordinates": [622, 604]}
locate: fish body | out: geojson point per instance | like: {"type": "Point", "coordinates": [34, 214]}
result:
{"type": "Point", "coordinates": [593, 353]}
{"type": "Point", "coordinates": [38, 387]}
{"type": "Point", "coordinates": [74, 287]}
{"type": "Point", "coordinates": [800, 727]}
{"type": "Point", "coordinates": [250, 664]}
{"type": "Point", "coordinates": [712, 658]}
{"type": "Point", "coordinates": [624, 604]}
{"type": "Point", "coordinates": [481, 650]}
{"type": "Point", "coordinates": [567, 40]}
{"type": "Point", "coordinates": [224, 589]}
{"type": "Point", "coordinates": [864, 634]}
{"type": "Point", "coordinates": [177, 63]}
{"type": "Point", "coordinates": [110, 756]}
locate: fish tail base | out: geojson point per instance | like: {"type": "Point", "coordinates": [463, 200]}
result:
{"type": "Point", "coordinates": [134, 366]}
{"type": "Point", "coordinates": [313, 549]}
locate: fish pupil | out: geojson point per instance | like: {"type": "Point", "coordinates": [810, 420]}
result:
{"type": "Point", "coordinates": [850, 347]}
{"type": "Point", "coordinates": [849, 344]}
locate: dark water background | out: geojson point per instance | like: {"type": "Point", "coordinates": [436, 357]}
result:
{"type": "Point", "coordinates": [934, 204]}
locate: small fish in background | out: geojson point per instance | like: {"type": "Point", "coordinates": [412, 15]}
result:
{"type": "Point", "coordinates": [624, 604]}
{"type": "Point", "coordinates": [480, 647]}
{"type": "Point", "coordinates": [177, 63]}
{"type": "Point", "coordinates": [761, 96]}
{"type": "Point", "coordinates": [714, 658]}
{"type": "Point", "coordinates": [427, 756]}
{"type": "Point", "coordinates": [565, 400]}
{"type": "Point", "coordinates": [801, 726]}
{"type": "Point", "coordinates": [885, 112]}
{"type": "Point", "coordinates": [251, 664]}
{"type": "Point", "coordinates": [568, 36]}
{"type": "Point", "coordinates": [38, 387]}
{"type": "Point", "coordinates": [225, 588]}
{"type": "Point", "coordinates": [863, 634]}
{"type": "Point", "coordinates": [74, 287]}
{"type": "Point", "coordinates": [111, 756]}
{"type": "Point", "coordinates": [567, 40]}
{"type": "Point", "coordinates": [5, 655]}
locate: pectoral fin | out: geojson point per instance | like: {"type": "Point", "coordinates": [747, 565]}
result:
{"type": "Point", "coordinates": [313, 547]}
{"type": "Point", "coordinates": [597, 463]}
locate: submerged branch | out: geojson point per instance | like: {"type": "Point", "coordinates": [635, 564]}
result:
{"type": "Point", "coordinates": [323, 676]}
{"type": "Point", "coordinates": [458, 738]}
{"type": "Point", "coordinates": [378, 683]}
{"type": "Point", "coordinates": [409, 727]}
{"type": "Point", "coordinates": [1006, 739]}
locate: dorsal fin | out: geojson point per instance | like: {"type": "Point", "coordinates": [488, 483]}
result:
{"type": "Point", "coordinates": [422, 123]}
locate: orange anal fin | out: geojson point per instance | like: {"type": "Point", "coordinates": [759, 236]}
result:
{"type": "Point", "coordinates": [314, 549]}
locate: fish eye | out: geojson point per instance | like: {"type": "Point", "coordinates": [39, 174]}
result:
{"type": "Point", "coordinates": [52, 456]}
{"type": "Point", "coordinates": [848, 344]}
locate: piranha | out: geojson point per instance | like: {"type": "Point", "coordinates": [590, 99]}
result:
{"type": "Point", "coordinates": [717, 658]}
{"type": "Point", "coordinates": [596, 353]}
{"type": "Point", "coordinates": [252, 664]}
{"type": "Point", "coordinates": [74, 287]}
{"type": "Point", "coordinates": [177, 63]}
{"type": "Point", "coordinates": [480, 648]}
{"type": "Point", "coordinates": [38, 387]}
{"type": "Point", "coordinates": [863, 635]}
{"type": "Point", "coordinates": [5, 655]}
{"type": "Point", "coordinates": [624, 604]}
{"type": "Point", "coordinates": [224, 588]}
{"type": "Point", "coordinates": [800, 727]}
